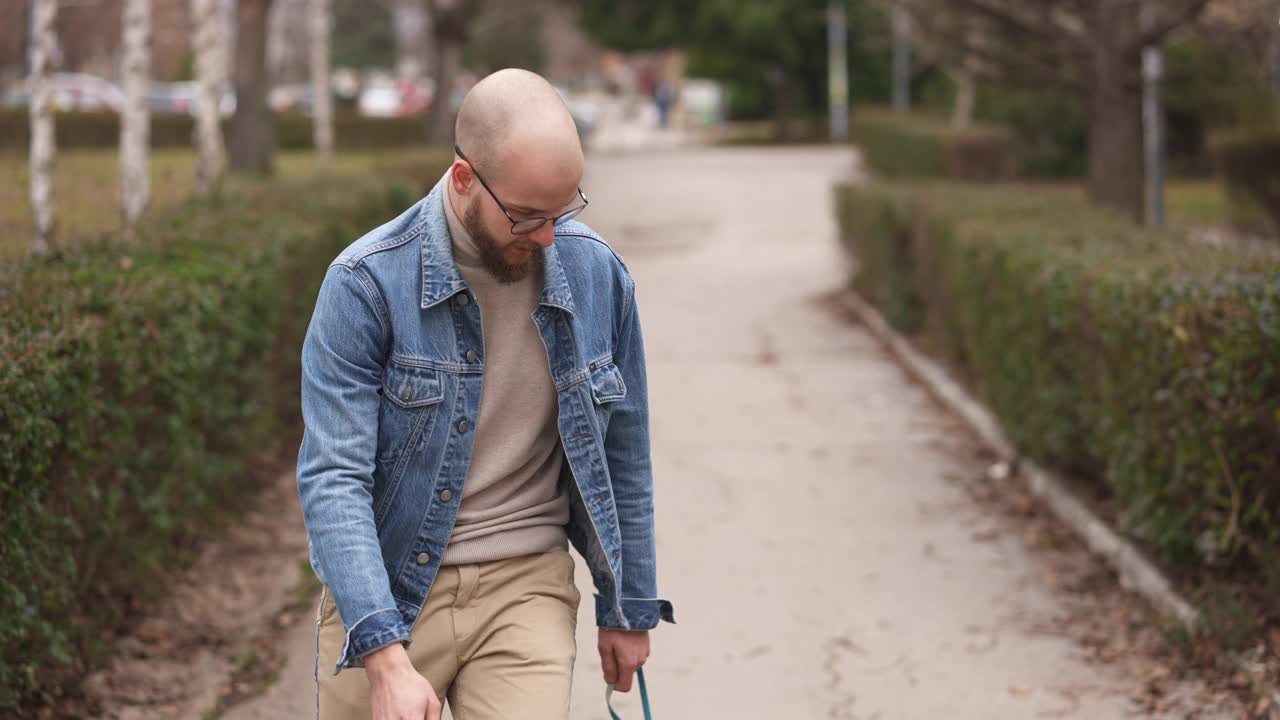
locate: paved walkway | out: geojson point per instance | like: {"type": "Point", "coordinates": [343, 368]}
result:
{"type": "Point", "coordinates": [822, 560]}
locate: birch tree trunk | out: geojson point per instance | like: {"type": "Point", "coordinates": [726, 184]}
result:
{"type": "Point", "coordinates": [1273, 58]}
{"type": "Point", "coordinates": [413, 38]}
{"type": "Point", "coordinates": [967, 82]}
{"type": "Point", "coordinates": [323, 106]}
{"type": "Point", "coordinates": [43, 46]}
{"type": "Point", "coordinates": [211, 82]}
{"type": "Point", "coordinates": [966, 94]}
{"type": "Point", "coordinates": [901, 21]}
{"type": "Point", "coordinates": [135, 122]}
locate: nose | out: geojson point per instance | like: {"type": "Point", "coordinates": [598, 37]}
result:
{"type": "Point", "coordinates": [544, 235]}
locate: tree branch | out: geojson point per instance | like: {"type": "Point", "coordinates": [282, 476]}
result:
{"type": "Point", "coordinates": [1052, 64]}
{"type": "Point", "coordinates": [1008, 18]}
{"type": "Point", "coordinates": [1168, 21]}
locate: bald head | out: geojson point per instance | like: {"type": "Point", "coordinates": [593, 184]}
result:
{"type": "Point", "coordinates": [517, 116]}
{"type": "Point", "coordinates": [518, 136]}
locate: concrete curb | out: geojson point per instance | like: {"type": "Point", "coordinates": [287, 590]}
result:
{"type": "Point", "coordinates": [1135, 571]}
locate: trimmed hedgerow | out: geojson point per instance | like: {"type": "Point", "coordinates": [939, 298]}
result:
{"type": "Point", "coordinates": [903, 145]}
{"type": "Point", "coordinates": [1138, 359]}
{"type": "Point", "coordinates": [1249, 163]}
{"type": "Point", "coordinates": [140, 386]}
{"type": "Point", "coordinates": [293, 131]}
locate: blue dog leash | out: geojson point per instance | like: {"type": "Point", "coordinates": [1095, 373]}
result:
{"type": "Point", "coordinates": [644, 698]}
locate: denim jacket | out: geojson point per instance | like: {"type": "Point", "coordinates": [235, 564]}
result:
{"type": "Point", "coordinates": [392, 368]}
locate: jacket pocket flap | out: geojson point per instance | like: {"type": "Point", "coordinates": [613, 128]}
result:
{"type": "Point", "coordinates": [411, 387]}
{"type": "Point", "coordinates": [606, 384]}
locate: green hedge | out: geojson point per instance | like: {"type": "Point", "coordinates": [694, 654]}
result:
{"type": "Point", "coordinates": [82, 130]}
{"type": "Point", "coordinates": [140, 387]}
{"type": "Point", "coordinates": [792, 130]}
{"type": "Point", "coordinates": [900, 145]}
{"type": "Point", "coordinates": [1249, 163]}
{"type": "Point", "coordinates": [1140, 360]}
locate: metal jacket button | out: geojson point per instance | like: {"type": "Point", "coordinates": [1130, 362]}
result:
{"type": "Point", "coordinates": [464, 426]}
{"type": "Point", "coordinates": [446, 496]}
{"type": "Point", "coordinates": [423, 558]}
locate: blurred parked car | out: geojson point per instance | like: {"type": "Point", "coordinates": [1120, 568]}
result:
{"type": "Point", "coordinates": [171, 98]}
{"type": "Point", "coordinates": [394, 98]}
{"type": "Point", "coordinates": [298, 98]}
{"type": "Point", "coordinates": [180, 97]}
{"type": "Point", "coordinates": [74, 92]}
{"type": "Point", "coordinates": [702, 102]}
{"type": "Point", "coordinates": [584, 112]}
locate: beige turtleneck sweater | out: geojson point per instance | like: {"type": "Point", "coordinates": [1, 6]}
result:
{"type": "Point", "coordinates": [512, 501]}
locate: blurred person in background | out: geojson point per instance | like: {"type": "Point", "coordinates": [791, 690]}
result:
{"type": "Point", "coordinates": [664, 98]}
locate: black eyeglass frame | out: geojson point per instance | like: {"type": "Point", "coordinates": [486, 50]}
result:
{"type": "Point", "coordinates": [516, 229]}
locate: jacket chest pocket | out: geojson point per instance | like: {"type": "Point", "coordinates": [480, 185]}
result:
{"type": "Point", "coordinates": [410, 397]}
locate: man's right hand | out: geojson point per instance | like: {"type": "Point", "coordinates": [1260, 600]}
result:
{"type": "Point", "coordinates": [397, 690]}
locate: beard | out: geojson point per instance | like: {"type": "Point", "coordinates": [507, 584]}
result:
{"type": "Point", "coordinates": [491, 258]}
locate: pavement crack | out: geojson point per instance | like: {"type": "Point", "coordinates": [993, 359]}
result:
{"type": "Point", "coordinates": [842, 699]}
{"type": "Point", "coordinates": [767, 355]}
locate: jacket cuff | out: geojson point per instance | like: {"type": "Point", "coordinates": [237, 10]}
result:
{"type": "Point", "coordinates": [636, 613]}
{"type": "Point", "coordinates": [374, 631]}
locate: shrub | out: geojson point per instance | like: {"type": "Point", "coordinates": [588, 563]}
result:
{"type": "Point", "coordinates": [1249, 162]}
{"type": "Point", "coordinates": [293, 131]}
{"type": "Point", "coordinates": [898, 145]}
{"type": "Point", "coordinates": [793, 129]}
{"type": "Point", "coordinates": [1137, 359]}
{"type": "Point", "coordinates": [140, 386]}
{"type": "Point", "coordinates": [1208, 87]}
{"type": "Point", "coordinates": [1049, 127]}
{"type": "Point", "coordinates": [789, 130]}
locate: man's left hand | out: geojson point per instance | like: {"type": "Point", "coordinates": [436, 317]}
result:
{"type": "Point", "coordinates": [621, 653]}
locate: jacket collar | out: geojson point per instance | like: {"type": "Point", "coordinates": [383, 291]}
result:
{"type": "Point", "coordinates": [440, 277]}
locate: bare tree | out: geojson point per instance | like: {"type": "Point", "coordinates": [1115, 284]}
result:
{"type": "Point", "coordinates": [1253, 24]}
{"type": "Point", "coordinates": [210, 68]}
{"type": "Point", "coordinates": [901, 23]}
{"type": "Point", "coordinates": [412, 31]}
{"type": "Point", "coordinates": [450, 21]}
{"type": "Point", "coordinates": [43, 148]}
{"type": "Point", "coordinates": [135, 122]}
{"type": "Point", "coordinates": [289, 41]}
{"type": "Point", "coordinates": [966, 74]}
{"type": "Point", "coordinates": [1251, 29]}
{"type": "Point", "coordinates": [323, 106]}
{"type": "Point", "coordinates": [1091, 48]}
{"type": "Point", "coordinates": [252, 132]}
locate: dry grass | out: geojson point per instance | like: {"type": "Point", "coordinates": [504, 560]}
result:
{"type": "Point", "coordinates": [87, 187]}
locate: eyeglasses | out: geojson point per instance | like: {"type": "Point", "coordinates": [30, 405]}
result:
{"type": "Point", "coordinates": [524, 226]}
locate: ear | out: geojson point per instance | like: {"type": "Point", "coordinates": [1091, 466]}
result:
{"type": "Point", "coordinates": [461, 177]}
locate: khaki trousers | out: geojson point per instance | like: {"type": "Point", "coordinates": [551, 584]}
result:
{"type": "Point", "coordinates": [496, 640]}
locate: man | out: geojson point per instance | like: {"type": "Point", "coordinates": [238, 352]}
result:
{"type": "Point", "coordinates": [474, 396]}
